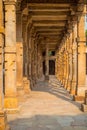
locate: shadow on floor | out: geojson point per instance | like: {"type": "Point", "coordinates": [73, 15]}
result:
{"type": "Point", "coordinates": [50, 122]}
{"type": "Point", "coordinates": [54, 87]}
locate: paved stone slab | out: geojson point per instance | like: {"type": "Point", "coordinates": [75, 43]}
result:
{"type": "Point", "coordinates": [49, 107]}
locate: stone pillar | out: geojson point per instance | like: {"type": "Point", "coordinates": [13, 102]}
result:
{"type": "Point", "coordinates": [39, 62]}
{"type": "Point", "coordinates": [84, 105]}
{"type": "Point", "coordinates": [70, 62]}
{"type": "Point", "coordinates": [3, 118]}
{"type": "Point", "coordinates": [32, 62]}
{"type": "Point", "coordinates": [80, 91]}
{"type": "Point", "coordinates": [67, 62]}
{"type": "Point", "coordinates": [61, 65]}
{"type": "Point", "coordinates": [64, 63]}
{"type": "Point", "coordinates": [47, 62]}
{"type": "Point", "coordinates": [35, 60]}
{"type": "Point", "coordinates": [26, 55]}
{"type": "Point", "coordinates": [30, 57]}
{"type": "Point", "coordinates": [11, 102]}
{"type": "Point", "coordinates": [56, 66]}
{"type": "Point", "coordinates": [74, 78]}
{"type": "Point", "coordinates": [19, 77]}
{"type": "Point", "coordinates": [19, 59]}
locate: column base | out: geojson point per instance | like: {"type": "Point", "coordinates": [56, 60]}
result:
{"type": "Point", "coordinates": [63, 82]}
{"type": "Point", "coordinates": [72, 92]}
{"type": "Point", "coordinates": [20, 91]}
{"type": "Point", "coordinates": [69, 85]}
{"type": "Point", "coordinates": [66, 83]}
{"type": "Point", "coordinates": [46, 77]}
{"type": "Point", "coordinates": [80, 94]}
{"type": "Point", "coordinates": [11, 104]}
{"type": "Point", "coordinates": [3, 121]}
{"type": "Point", "coordinates": [73, 88]}
{"type": "Point", "coordinates": [78, 98]}
{"type": "Point", "coordinates": [84, 107]}
{"type": "Point", "coordinates": [21, 94]}
{"type": "Point", "coordinates": [26, 84]}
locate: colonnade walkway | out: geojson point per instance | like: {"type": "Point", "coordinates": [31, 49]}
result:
{"type": "Point", "coordinates": [49, 107]}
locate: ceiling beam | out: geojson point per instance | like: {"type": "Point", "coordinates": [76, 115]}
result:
{"type": "Point", "coordinates": [53, 17]}
{"type": "Point", "coordinates": [56, 13]}
{"type": "Point", "coordinates": [48, 5]}
{"type": "Point", "coordinates": [49, 24]}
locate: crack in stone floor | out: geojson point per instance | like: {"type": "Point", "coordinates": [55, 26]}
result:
{"type": "Point", "coordinates": [49, 107]}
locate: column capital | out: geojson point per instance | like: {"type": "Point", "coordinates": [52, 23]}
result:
{"type": "Point", "coordinates": [80, 7]}
{"type": "Point", "coordinates": [9, 2]}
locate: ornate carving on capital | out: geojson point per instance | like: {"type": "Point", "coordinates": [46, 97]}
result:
{"type": "Point", "coordinates": [18, 6]}
{"type": "Point", "coordinates": [80, 7]}
{"type": "Point", "coordinates": [73, 9]}
{"type": "Point", "coordinates": [83, 1]}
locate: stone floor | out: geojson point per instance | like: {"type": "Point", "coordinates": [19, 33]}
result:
{"type": "Point", "coordinates": [49, 107]}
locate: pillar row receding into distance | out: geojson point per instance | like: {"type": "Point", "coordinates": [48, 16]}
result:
{"type": "Point", "coordinates": [71, 57]}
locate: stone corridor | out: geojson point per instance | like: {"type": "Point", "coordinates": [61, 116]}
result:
{"type": "Point", "coordinates": [48, 107]}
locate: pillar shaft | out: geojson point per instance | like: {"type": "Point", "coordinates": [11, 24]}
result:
{"type": "Point", "coordinates": [67, 63]}
{"type": "Point", "coordinates": [10, 56]}
{"type": "Point", "coordinates": [70, 62]}
{"type": "Point", "coordinates": [3, 118]}
{"type": "Point", "coordinates": [81, 57]}
{"type": "Point", "coordinates": [47, 62]}
{"type": "Point", "coordinates": [1, 54]}
{"type": "Point", "coordinates": [74, 67]}
{"type": "Point", "coordinates": [19, 58]}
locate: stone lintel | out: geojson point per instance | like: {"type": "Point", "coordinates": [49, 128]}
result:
{"type": "Point", "coordinates": [10, 2]}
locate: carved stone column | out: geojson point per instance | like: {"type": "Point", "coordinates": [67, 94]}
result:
{"type": "Point", "coordinates": [70, 62]}
{"type": "Point", "coordinates": [3, 118]}
{"type": "Point", "coordinates": [56, 68]}
{"type": "Point", "coordinates": [80, 93]}
{"type": "Point", "coordinates": [74, 78]}
{"type": "Point", "coordinates": [35, 60]}
{"type": "Point", "coordinates": [30, 56]}
{"type": "Point", "coordinates": [39, 62]}
{"type": "Point", "coordinates": [47, 62]}
{"type": "Point", "coordinates": [60, 76]}
{"type": "Point", "coordinates": [62, 63]}
{"type": "Point", "coordinates": [19, 59]}
{"type": "Point", "coordinates": [67, 62]}
{"type": "Point", "coordinates": [11, 102]}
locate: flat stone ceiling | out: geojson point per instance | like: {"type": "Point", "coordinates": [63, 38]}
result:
{"type": "Point", "coordinates": [49, 18]}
